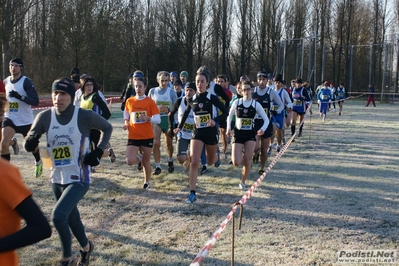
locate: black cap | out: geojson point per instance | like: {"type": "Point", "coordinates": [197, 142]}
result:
{"type": "Point", "coordinates": [192, 86]}
{"type": "Point", "coordinates": [279, 78]}
{"type": "Point", "coordinates": [177, 82]}
{"type": "Point", "coordinates": [64, 84]}
{"type": "Point", "coordinates": [18, 61]}
{"type": "Point", "coordinates": [74, 71]}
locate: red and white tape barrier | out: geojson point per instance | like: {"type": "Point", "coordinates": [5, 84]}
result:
{"type": "Point", "coordinates": [212, 240]}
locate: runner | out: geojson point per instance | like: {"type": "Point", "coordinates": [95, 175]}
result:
{"type": "Point", "coordinates": [245, 110]}
{"type": "Point", "coordinates": [300, 96]}
{"type": "Point", "coordinates": [21, 95]}
{"type": "Point", "coordinates": [324, 97]}
{"type": "Point", "coordinates": [164, 97]}
{"type": "Point", "coordinates": [16, 203]}
{"type": "Point", "coordinates": [91, 100]}
{"type": "Point", "coordinates": [340, 97]}
{"type": "Point", "coordinates": [265, 96]}
{"type": "Point", "coordinates": [67, 128]}
{"type": "Point", "coordinates": [205, 131]}
{"type": "Point", "coordinates": [184, 137]}
{"type": "Point", "coordinates": [140, 112]}
{"type": "Point", "coordinates": [278, 119]}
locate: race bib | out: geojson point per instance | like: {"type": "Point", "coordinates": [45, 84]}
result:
{"type": "Point", "coordinates": [340, 94]}
{"type": "Point", "coordinates": [62, 156]}
{"type": "Point", "coordinates": [188, 128]}
{"type": "Point", "coordinates": [135, 117]}
{"type": "Point", "coordinates": [324, 97]}
{"type": "Point", "coordinates": [244, 123]}
{"type": "Point", "coordinates": [275, 108]}
{"type": "Point", "coordinates": [13, 106]}
{"type": "Point", "coordinates": [298, 102]}
{"type": "Point", "coordinates": [201, 121]}
{"type": "Point", "coordinates": [163, 108]}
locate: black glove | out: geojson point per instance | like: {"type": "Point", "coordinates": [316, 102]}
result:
{"type": "Point", "coordinates": [15, 95]}
{"type": "Point", "coordinates": [93, 158]}
{"type": "Point", "coordinates": [31, 143]}
{"type": "Point", "coordinates": [170, 133]}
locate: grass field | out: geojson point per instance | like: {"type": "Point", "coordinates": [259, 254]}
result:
{"type": "Point", "coordinates": [335, 188]}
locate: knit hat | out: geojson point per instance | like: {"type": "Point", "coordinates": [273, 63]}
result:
{"type": "Point", "coordinates": [262, 74]}
{"type": "Point", "coordinates": [64, 84]}
{"type": "Point", "coordinates": [174, 74]}
{"type": "Point", "coordinates": [74, 71]}
{"type": "Point", "coordinates": [279, 78]}
{"type": "Point", "coordinates": [18, 61]}
{"type": "Point", "coordinates": [177, 82]}
{"type": "Point", "coordinates": [184, 73]}
{"type": "Point", "coordinates": [191, 85]}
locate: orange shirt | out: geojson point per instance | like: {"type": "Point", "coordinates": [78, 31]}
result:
{"type": "Point", "coordinates": [139, 129]}
{"type": "Point", "coordinates": [12, 192]}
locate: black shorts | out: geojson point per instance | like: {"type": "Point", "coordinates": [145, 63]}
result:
{"type": "Point", "coordinates": [269, 130]}
{"type": "Point", "coordinates": [141, 142]}
{"type": "Point", "coordinates": [242, 140]}
{"type": "Point", "coordinates": [211, 139]}
{"type": "Point", "coordinates": [18, 129]}
{"type": "Point", "coordinates": [223, 124]}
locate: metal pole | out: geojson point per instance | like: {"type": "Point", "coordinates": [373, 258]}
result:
{"type": "Point", "coordinates": [371, 63]}
{"type": "Point", "coordinates": [284, 58]}
{"type": "Point", "coordinates": [310, 60]}
{"type": "Point", "coordinates": [297, 60]}
{"type": "Point", "coordinates": [351, 70]}
{"type": "Point", "coordinates": [278, 57]}
{"type": "Point", "coordinates": [397, 69]}
{"type": "Point", "coordinates": [384, 71]}
{"type": "Point", "coordinates": [323, 60]}
{"type": "Point", "coordinates": [315, 60]}
{"type": "Point", "coordinates": [302, 55]}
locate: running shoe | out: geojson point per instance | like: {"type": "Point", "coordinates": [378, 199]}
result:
{"type": "Point", "coordinates": [139, 167]}
{"type": "Point", "coordinates": [231, 162]}
{"type": "Point", "coordinates": [255, 158]}
{"type": "Point", "coordinates": [171, 168]}
{"type": "Point", "coordinates": [84, 258]}
{"type": "Point", "coordinates": [72, 262]}
{"type": "Point", "coordinates": [217, 164]}
{"type": "Point", "coordinates": [15, 146]}
{"type": "Point", "coordinates": [191, 198]}
{"type": "Point", "coordinates": [278, 148]}
{"type": "Point", "coordinates": [242, 186]}
{"type": "Point", "coordinates": [39, 169]}
{"type": "Point", "coordinates": [157, 171]}
{"type": "Point", "coordinates": [146, 185]}
{"type": "Point", "coordinates": [284, 141]}
{"type": "Point", "coordinates": [111, 156]}
{"type": "Point", "coordinates": [300, 134]}
{"type": "Point", "coordinates": [261, 172]}
{"type": "Point", "coordinates": [339, 113]}
{"type": "Point", "coordinates": [269, 151]}
{"type": "Point", "coordinates": [204, 169]}
{"type": "Point", "coordinates": [93, 169]}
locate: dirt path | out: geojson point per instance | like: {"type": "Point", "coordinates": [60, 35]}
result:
{"type": "Point", "coordinates": [336, 188]}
